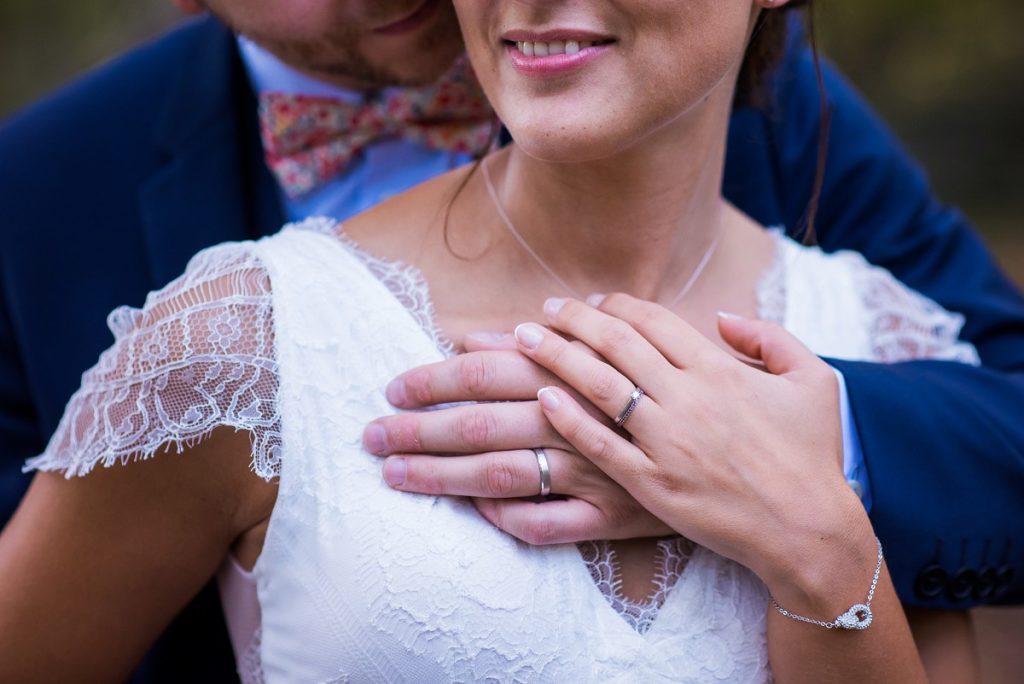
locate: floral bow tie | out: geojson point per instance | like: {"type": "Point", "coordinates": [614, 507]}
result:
{"type": "Point", "coordinates": [307, 140]}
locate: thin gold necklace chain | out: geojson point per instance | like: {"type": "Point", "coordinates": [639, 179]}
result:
{"type": "Point", "coordinates": [701, 265]}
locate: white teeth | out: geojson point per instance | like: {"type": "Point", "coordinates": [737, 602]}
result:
{"type": "Point", "coordinates": [554, 47]}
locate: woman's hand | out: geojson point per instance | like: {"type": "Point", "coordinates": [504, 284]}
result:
{"type": "Point", "coordinates": [744, 462]}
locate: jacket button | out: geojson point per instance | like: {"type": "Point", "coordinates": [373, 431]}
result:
{"type": "Point", "coordinates": [930, 582]}
{"type": "Point", "coordinates": [986, 584]}
{"type": "Point", "coordinates": [1004, 577]}
{"type": "Point", "coordinates": [961, 584]}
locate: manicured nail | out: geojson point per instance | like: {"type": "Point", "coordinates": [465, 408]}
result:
{"type": "Point", "coordinates": [529, 335]}
{"type": "Point", "coordinates": [548, 399]}
{"type": "Point", "coordinates": [394, 471]}
{"type": "Point", "coordinates": [553, 305]}
{"type": "Point", "coordinates": [595, 300]}
{"type": "Point", "coordinates": [395, 392]}
{"type": "Point", "coordinates": [487, 337]}
{"type": "Point", "coordinates": [375, 439]}
{"type": "Point", "coordinates": [725, 315]}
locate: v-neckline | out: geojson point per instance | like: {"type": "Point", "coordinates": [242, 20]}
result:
{"type": "Point", "coordinates": [410, 290]}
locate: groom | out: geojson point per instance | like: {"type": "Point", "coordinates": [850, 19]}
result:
{"type": "Point", "coordinates": [110, 185]}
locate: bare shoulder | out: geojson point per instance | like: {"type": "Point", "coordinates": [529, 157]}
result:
{"type": "Point", "coordinates": [401, 226]}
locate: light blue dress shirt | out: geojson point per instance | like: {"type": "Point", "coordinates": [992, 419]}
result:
{"type": "Point", "coordinates": [387, 168]}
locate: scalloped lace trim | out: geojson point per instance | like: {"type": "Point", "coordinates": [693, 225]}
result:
{"type": "Point", "coordinates": [905, 325]}
{"type": "Point", "coordinates": [671, 558]}
{"type": "Point", "coordinates": [197, 356]}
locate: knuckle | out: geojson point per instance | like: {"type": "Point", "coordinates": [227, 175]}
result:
{"type": "Point", "coordinates": [618, 514]}
{"type": "Point", "coordinates": [403, 433]}
{"type": "Point", "coordinates": [615, 335]}
{"type": "Point", "coordinates": [477, 429]}
{"type": "Point", "coordinates": [595, 444]}
{"type": "Point", "coordinates": [476, 374]}
{"type": "Point", "coordinates": [601, 447]}
{"type": "Point", "coordinates": [604, 386]}
{"type": "Point", "coordinates": [553, 350]}
{"type": "Point", "coordinates": [420, 386]}
{"type": "Point", "coordinates": [648, 315]}
{"type": "Point", "coordinates": [499, 478]}
{"type": "Point", "coordinates": [541, 532]}
{"type": "Point", "coordinates": [569, 310]}
{"type": "Point", "coordinates": [423, 478]}
{"type": "Point", "coordinates": [616, 301]}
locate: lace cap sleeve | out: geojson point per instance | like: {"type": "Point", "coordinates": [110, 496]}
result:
{"type": "Point", "coordinates": [197, 356]}
{"type": "Point", "coordinates": [904, 325]}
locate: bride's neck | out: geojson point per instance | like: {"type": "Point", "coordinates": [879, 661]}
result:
{"type": "Point", "coordinates": [639, 222]}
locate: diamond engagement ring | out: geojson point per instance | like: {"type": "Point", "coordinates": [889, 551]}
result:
{"type": "Point", "coordinates": [545, 471]}
{"type": "Point", "coordinates": [634, 399]}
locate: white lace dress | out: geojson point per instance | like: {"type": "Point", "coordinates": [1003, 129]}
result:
{"type": "Point", "coordinates": [294, 338]}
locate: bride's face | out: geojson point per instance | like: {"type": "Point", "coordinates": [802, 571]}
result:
{"type": "Point", "coordinates": [650, 64]}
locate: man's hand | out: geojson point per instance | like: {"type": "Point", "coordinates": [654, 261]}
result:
{"type": "Point", "coordinates": [488, 449]}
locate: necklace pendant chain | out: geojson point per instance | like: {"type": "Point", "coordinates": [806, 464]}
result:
{"type": "Point", "coordinates": [503, 215]}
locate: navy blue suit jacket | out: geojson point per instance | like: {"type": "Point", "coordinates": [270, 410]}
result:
{"type": "Point", "coordinates": [110, 185]}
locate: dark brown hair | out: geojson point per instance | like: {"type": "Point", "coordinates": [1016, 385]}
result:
{"type": "Point", "coordinates": [765, 52]}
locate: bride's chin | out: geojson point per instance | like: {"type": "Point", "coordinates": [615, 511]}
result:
{"type": "Point", "coordinates": [566, 146]}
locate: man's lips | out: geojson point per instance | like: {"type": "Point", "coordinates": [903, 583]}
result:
{"type": "Point", "coordinates": [412, 21]}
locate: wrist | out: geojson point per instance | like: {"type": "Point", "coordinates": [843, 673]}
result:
{"type": "Point", "coordinates": [822, 573]}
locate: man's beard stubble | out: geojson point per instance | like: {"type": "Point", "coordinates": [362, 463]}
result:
{"type": "Point", "coordinates": [335, 53]}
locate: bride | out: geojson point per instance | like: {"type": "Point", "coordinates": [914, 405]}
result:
{"type": "Point", "coordinates": [264, 362]}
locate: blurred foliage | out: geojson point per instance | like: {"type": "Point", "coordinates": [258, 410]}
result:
{"type": "Point", "coordinates": [946, 75]}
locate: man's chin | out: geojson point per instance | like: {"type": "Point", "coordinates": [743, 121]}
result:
{"type": "Point", "coordinates": [402, 73]}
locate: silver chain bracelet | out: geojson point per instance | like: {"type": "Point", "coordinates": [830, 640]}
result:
{"type": "Point", "coordinates": [859, 615]}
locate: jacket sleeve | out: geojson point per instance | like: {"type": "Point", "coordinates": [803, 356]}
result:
{"type": "Point", "coordinates": [943, 443]}
{"type": "Point", "coordinates": [19, 433]}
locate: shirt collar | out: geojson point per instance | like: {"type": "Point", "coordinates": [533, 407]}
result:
{"type": "Point", "coordinates": [267, 73]}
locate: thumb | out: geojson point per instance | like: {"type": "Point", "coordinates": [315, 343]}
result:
{"type": "Point", "coordinates": [767, 342]}
{"type": "Point", "coordinates": [489, 341]}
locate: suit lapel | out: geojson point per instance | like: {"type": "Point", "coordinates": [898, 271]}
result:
{"type": "Point", "coordinates": [213, 185]}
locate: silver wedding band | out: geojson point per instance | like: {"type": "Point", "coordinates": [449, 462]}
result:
{"type": "Point", "coordinates": [624, 414]}
{"type": "Point", "coordinates": [545, 471]}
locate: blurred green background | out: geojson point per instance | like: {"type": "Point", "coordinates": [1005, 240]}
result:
{"type": "Point", "coordinates": [946, 74]}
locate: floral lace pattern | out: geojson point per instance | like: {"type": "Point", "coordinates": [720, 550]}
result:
{"type": "Point", "coordinates": [201, 354]}
{"type": "Point", "coordinates": [906, 325]}
{"type": "Point", "coordinates": [197, 356]}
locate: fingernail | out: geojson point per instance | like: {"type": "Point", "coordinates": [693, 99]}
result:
{"type": "Point", "coordinates": [375, 439]}
{"type": "Point", "coordinates": [725, 315]}
{"type": "Point", "coordinates": [394, 471]}
{"type": "Point", "coordinates": [395, 392]}
{"type": "Point", "coordinates": [529, 335]}
{"type": "Point", "coordinates": [487, 337]}
{"type": "Point", "coordinates": [548, 399]}
{"type": "Point", "coordinates": [553, 305]}
{"type": "Point", "coordinates": [595, 300]}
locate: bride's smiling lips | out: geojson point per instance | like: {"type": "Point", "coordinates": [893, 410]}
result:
{"type": "Point", "coordinates": [555, 51]}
